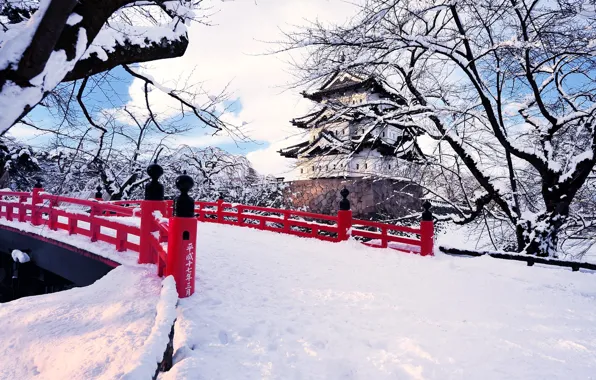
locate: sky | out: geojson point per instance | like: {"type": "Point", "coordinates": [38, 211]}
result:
{"type": "Point", "coordinates": [231, 54]}
{"type": "Point", "coordinates": [233, 51]}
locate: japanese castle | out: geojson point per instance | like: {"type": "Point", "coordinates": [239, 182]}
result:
{"type": "Point", "coordinates": [345, 140]}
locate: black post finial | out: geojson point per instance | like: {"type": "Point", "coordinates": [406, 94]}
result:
{"type": "Point", "coordinates": [154, 190]}
{"type": "Point", "coordinates": [184, 205]}
{"type": "Point", "coordinates": [38, 184]}
{"type": "Point", "coordinates": [98, 194]}
{"type": "Point", "coordinates": [427, 215]}
{"type": "Point", "coordinates": [344, 204]}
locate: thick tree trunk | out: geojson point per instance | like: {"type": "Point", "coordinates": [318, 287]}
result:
{"type": "Point", "coordinates": [540, 236]}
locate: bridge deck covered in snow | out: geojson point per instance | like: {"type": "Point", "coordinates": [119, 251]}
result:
{"type": "Point", "coordinates": [274, 306]}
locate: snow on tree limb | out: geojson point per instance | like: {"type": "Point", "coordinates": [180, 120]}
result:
{"type": "Point", "coordinates": [505, 88]}
{"type": "Point", "coordinates": [80, 38]}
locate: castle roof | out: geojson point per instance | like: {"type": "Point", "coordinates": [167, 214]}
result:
{"type": "Point", "coordinates": [342, 82]}
{"type": "Point", "coordinates": [326, 119]}
{"type": "Point", "coordinates": [327, 144]}
{"type": "Point", "coordinates": [313, 117]}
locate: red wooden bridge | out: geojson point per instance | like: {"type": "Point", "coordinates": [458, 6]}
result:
{"type": "Point", "coordinates": [163, 232]}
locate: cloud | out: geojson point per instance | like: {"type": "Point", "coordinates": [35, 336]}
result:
{"type": "Point", "coordinates": [231, 53]}
{"type": "Point", "coordinates": [268, 161]}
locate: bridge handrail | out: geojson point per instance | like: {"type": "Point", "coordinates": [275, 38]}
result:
{"type": "Point", "coordinates": [5, 193]}
{"type": "Point", "coordinates": [100, 207]}
{"type": "Point", "coordinates": [47, 209]}
{"type": "Point", "coordinates": [375, 234]}
{"type": "Point", "coordinates": [124, 203]}
{"type": "Point", "coordinates": [167, 238]}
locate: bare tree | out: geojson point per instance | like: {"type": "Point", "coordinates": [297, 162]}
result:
{"type": "Point", "coordinates": [505, 88]}
{"type": "Point", "coordinates": [52, 50]}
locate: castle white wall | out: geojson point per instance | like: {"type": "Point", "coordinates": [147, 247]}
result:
{"type": "Point", "coordinates": [365, 164]}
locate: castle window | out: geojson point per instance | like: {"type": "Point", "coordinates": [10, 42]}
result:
{"type": "Point", "coordinates": [365, 166]}
{"type": "Point", "coordinates": [357, 166]}
{"type": "Point", "coordinates": [301, 171]}
{"type": "Point", "coordinates": [389, 166]}
{"type": "Point", "coordinates": [383, 134]}
{"type": "Point", "coordinates": [313, 168]}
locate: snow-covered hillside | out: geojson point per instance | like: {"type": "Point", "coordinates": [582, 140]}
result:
{"type": "Point", "coordinates": [271, 306]}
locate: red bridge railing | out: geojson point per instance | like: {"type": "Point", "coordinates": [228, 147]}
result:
{"type": "Point", "coordinates": [100, 221]}
{"type": "Point", "coordinates": [332, 228]}
{"type": "Point", "coordinates": [164, 232]}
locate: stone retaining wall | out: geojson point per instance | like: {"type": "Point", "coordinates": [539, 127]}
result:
{"type": "Point", "coordinates": [368, 197]}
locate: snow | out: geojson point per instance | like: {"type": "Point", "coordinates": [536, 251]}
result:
{"type": "Point", "coordinates": [144, 365]}
{"type": "Point", "coordinates": [108, 330]}
{"type": "Point", "coordinates": [280, 307]}
{"type": "Point", "coordinates": [15, 41]}
{"type": "Point", "coordinates": [275, 306]}
{"type": "Point", "coordinates": [13, 98]}
{"type": "Point", "coordinates": [125, 220]}
{"type": "Point", "coordinates": [20, 257]}
{"type": "Point", "coordinates": [108, 39]}
{"type": "Point", "coordinates": [74, 19]}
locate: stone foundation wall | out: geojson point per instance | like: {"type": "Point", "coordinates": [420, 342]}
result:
{"type": "Point", "coordinates": [368, 197]}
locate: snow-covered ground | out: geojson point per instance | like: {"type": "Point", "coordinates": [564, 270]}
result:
{"type": "Point", "coordinates": [111, 329]}
{"type": "Point", "coordinates": [272, 306]}
{"type": "Point", "coordinates": [467, 237]}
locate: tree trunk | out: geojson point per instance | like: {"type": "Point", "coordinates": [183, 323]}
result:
{"type": "Point", "coordinates": [541, 235]}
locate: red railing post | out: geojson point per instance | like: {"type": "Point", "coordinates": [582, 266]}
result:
{"type": "Point", "coordinates": [9, 209]}
{"type": "Point", "coordinates": [344, 216]}
{"type": "Point", "coordinates": [201, 214]}
{"type": "Point", "coordinates": [384, 240]}
{"type": "Point", "coordinates": [153, 202]}
{"type": "Point", "coordinates": [148, 226]}
{"type": "Point", "coordinates": [121, 237]}
{"type": "Point", "coordinates": [22, 208]}
{"type": "Point", "coordinates": [93, 226]}
{"type": "Point", "coordinates": [35, 200]}
{"type": "Point", "coordinates": [220, 209]}
{"type": "Point", "coordinates": [239, 217]}
{"type": "Point", "coordinates": [287, 229]}
{"type": "Point", "coordinates": [53, 218]}
{"type": "Point", "coordinates": [72, 224]}
{"type": "Point", "coordinates": [427, 231]}
{"type": "Point", "coordinates": [182, 238]}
